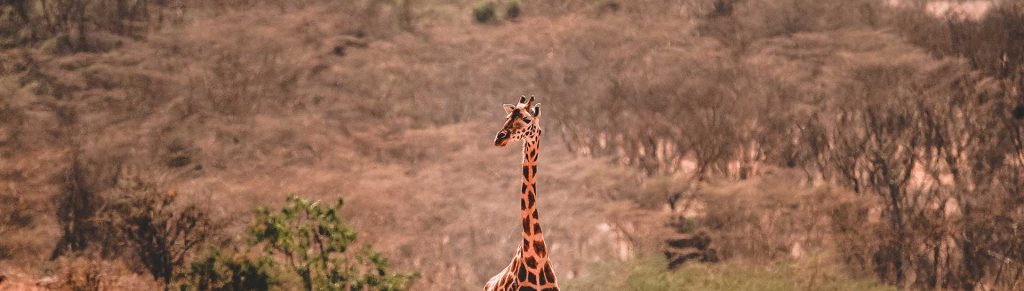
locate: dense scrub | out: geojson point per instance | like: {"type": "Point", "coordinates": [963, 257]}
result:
{"type": "Point", "coordinates": [883, 136]}
{"type": "Point", "coordinates": [928, 141]}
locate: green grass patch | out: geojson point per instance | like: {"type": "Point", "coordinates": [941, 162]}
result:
{"type": "Point", "coordinates": [650, 274]}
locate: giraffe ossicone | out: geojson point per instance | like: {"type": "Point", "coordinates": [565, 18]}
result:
{"type": "Point", "coordinates": [530, 269]}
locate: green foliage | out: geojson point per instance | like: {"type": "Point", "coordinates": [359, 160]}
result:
{"type": "Point", "coordinates": [484, 11]}
{"type": "Point", "coordinates": [217, 271]}
{"type": "Point", "coordinates": [314, 239]}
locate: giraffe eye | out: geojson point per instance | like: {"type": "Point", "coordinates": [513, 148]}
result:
{"type": "Point", "coordinates": [527, 120]}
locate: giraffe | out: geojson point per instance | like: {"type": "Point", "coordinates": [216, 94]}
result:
{"type": "Point", "coordinates": [530, 268]}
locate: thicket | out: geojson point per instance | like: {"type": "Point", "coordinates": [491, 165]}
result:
{"type": "Point", "coordinates": [65, 26]}
{"type": "Point", "coordinates": [108, 213]}
{"type": "Point", "coordinates": [927, 138]}
{"type": "Point", "coordinates": [70, 25]}
{"type": "Point", "coordinates": [305, 239]}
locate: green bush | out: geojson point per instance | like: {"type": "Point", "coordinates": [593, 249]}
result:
{"type": "Point", "coordinates": [217, 271]}
{"type": "Point", "coordinates": [315, 241]}
{"type": "Point", "coordinates": [484, 11]}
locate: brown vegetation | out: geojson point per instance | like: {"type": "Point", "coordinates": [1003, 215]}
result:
{"type": "Point", "coordinates": [878, 137]}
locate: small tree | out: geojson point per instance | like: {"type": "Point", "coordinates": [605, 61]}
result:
{"type": "Point", "coordinates": [161, 235]}
{"type": "Point", "coordinates": [314, 240]}
{"type": "Point", "coordinates": [77, 205]}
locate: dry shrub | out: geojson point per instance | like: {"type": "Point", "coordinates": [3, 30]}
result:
{"type": "Point", "coordinates": [851, 222]}
{"type": "Point", "coordinates": [991, 44]}
{"type": "Point", "coordinates": [241, 80]}
{"type": "Point", "coordinates": [768, 218]}
{"type": "Point", "coordinates": [74, 23]}
{"type": "Point", "coordinates": [659, 191]}
{"type": "Point", "coordinates": [750, 21]}
{"type": "Point", "coordinates": [134, 92]}
{"type": "Point", "coordinates": [89, 272]}
{"type": "Point", "coordinates": [79, 202]}
{"type": "Point", "coordinates": [109, 210]}
{"type": "Point", "coordinates": [652, 9]}
{"type": "Point", "coordinates": [484, 11]}
{"type": "Point", "coordinates": [161, 234]}
{"type": "Point", "coordinates": [930, 147]}
{"type": "Point", "coordinates": [512, 9]}
{"type": "Point", "coordinates": [11, 122]}
{"type": "Point", "coordinates": [82, 274]}
{"type": "Point", "coordinates": [14, 215]}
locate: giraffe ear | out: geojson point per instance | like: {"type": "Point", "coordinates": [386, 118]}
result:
{"type": "Point", "coordinates": [508, 107]}
{"type": "Point", "coordinates": [535, 111]}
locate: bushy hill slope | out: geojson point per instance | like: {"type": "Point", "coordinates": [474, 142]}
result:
{"type": "Point", "coordinates": [393, 106]}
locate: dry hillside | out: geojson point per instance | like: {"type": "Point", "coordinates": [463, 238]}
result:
{"type": "Point", "coordinates": [836, 145]}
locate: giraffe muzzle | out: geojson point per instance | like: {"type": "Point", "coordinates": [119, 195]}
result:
{"type": "Point", "coordinates": [501, 139]}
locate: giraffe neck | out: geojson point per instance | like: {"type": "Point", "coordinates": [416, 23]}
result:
{"type": "Point", "coordinates": [533, 238]}
{"type": "Point", "coordinates": [530, 268]}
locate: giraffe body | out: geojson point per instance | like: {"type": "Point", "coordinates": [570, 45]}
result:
{"type": "Point", "coordinates": [530, 269]}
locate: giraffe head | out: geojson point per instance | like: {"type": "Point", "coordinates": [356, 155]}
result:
{"type": "Point", "coordinates": [522, 122]}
